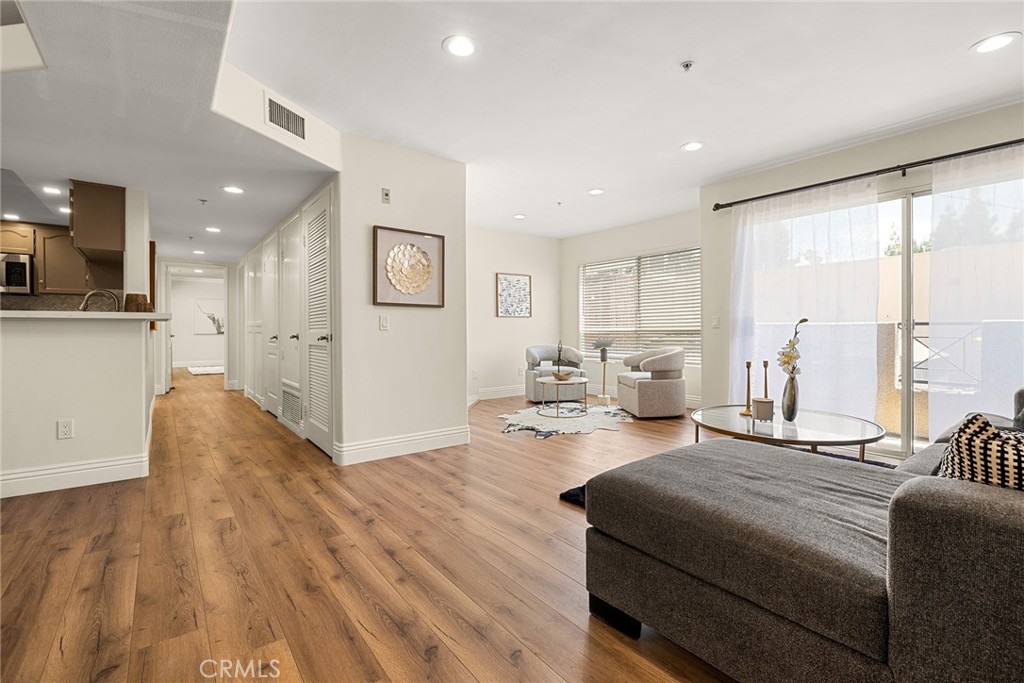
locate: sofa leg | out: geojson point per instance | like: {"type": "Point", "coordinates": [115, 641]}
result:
{"type": "Point", "coordinates": [614, 617]}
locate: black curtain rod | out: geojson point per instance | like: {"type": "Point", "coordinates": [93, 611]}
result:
{"type": "Point", "coordinates": [882, 171]}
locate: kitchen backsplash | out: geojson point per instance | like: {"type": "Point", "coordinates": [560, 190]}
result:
{"type": "Point", "coordinates": [56, 302]}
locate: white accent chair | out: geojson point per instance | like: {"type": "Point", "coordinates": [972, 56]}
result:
{"type": "Point", "coordinates": [539, 363]}
{"type": "Point", "coordinates": [654, 385]}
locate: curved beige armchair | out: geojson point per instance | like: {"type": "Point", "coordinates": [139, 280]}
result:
{"type": "Point", "coordinates": [540, 363]}
{"type": "Point", "coordinates": [654, 385]}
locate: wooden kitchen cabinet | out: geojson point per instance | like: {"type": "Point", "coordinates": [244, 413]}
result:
{"type": "Point", "coordinates": [17, 238]}
{"type": "Point", "coordinates": [60, 269]}
{"type": "Point", "coordinates": [97, 220]}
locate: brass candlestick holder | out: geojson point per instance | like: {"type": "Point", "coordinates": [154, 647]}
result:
{"type": "Point", "coordinates": [746, 410]}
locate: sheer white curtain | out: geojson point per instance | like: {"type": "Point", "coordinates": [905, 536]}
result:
{"type": "Point", "coordinates": [811, 254]}
{"type": "Point", "coordinates": [975, 326]}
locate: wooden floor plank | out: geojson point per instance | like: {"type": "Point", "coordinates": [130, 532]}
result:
{"type": "Point", "coordinates": [168, 601]}
{"type": "Point", "coordinates": [93, 641]}
{"type": "Point", "coordinates": [247, 547]}
{"type": "Point", "coordinates": [235, 596]}
{"type": "Point", "coordinates": [32, 607]}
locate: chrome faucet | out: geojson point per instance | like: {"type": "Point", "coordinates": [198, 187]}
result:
{"type": "Point", "coordinates": [85, 302]}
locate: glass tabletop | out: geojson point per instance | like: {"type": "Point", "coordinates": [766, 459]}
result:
{"type": "Point", "coordinates": [571, 380]}
{"type": "Point", "coordinates": [811, 427]}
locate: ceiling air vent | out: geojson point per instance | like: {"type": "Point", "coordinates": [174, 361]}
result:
{"type": "Point", "coordinates": [283, 117]}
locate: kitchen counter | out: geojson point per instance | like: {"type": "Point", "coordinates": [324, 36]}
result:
{"type": "Point", "coordinates": [94, 369]}
{"type": "Point", "coordinates": [81, 315]}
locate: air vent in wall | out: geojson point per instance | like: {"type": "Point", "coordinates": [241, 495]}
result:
{"type": "Point", "coordinates": [291, 407]}
{"type": "Point", "coordinates": [283, 117]}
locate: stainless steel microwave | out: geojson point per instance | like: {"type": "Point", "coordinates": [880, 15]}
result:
{"type": "Point", "coordinates": [15, 273]}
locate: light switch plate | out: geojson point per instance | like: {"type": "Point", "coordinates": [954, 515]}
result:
{"type": "Point", "coordinates": [384, 323]}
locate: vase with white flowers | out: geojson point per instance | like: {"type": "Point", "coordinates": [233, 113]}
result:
{"type": "Point", "coordinates": [788, 357]}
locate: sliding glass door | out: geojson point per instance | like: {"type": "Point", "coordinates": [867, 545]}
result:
{"type": "Point", "coordinates": [915, 298]}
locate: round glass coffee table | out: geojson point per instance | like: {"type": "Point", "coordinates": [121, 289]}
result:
{"type": "Point", "coordinates": [810, 428]}
{"type": "Point", "coordinates": [545, 382]}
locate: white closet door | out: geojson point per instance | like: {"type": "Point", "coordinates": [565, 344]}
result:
{"type": "Point", "coordinates": [254, 326]}
{"type": "Point", "coordinates": [271, 329]}
{"type": "Point", "coordinates": [291, 322]}
{"type": "Point", "coordinates": [316, 219]}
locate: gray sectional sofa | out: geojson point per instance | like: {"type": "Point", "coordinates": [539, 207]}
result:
{"type": "Point", "coordinates": [774, 564]}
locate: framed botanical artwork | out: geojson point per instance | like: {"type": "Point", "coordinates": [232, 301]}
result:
{"type": "Point", "coordinates": [408, 268]}
{"type": "Point", "coordinates": [208, 316]}
{"type": "Point", "coordinates": [513, 295]}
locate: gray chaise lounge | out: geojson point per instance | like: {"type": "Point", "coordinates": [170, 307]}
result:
{"type": "Point", "coordinates": [778, 565]}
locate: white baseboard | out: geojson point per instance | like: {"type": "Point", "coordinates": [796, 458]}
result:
{"type": "Point", "coordinates": [693, 401]}
{"type": "Point", "coordinates": [390, 446]}
{"type": "Point", "coordinates": [232, 385]}
{"type": "Point", "coordinates": [159, 390]}
{"type": "Point", "coordinates": [501, 392]}
{"type": "Point", "coordinates": [471, 400]}
{"type": "Point", "coordinates": [72, 474]}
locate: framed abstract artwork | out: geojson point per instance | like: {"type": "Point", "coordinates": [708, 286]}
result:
{"type": "Point", "coordinates": [408, 268]}
{"type": "Point", "coordinates": [514, 295]}
{"type": "Point", "coordinates": [208, 316]}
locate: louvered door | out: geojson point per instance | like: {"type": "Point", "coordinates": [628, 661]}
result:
{"type": "Point", "coordinates": [316, 218]}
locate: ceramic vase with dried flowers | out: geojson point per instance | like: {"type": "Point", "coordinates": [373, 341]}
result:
{"type": "Point", "coordinates": [788, 357]}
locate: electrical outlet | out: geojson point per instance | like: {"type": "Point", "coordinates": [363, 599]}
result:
{"type": "Point", "coordinates": [385, 195]}
{"type": "Point", "coordinates": [521, 371]}
{"type": "Point", "coordinates": [476, 374]}
{"type": "Point", "coordinates": [716, 322]}
{"type": "Point", "coordinates": [383, 323]}
{"type": "Point", "coordinates": [65, 429]}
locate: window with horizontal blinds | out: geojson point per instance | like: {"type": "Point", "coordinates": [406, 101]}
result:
{"type": "Point", "coordinates": [642, 303]}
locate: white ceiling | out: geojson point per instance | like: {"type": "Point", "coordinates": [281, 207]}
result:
{"type": "Point", "coordinates": [563, 97]}
{"type": "Point", "coordinates": [560, 98]}
{"type": "Point", "coordinates": [125, 99]}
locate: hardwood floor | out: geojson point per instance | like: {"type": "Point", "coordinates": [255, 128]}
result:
{"type": "Point", "coordinates": [248, 544]}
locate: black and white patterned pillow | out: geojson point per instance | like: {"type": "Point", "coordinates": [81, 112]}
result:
{"type": "Point", "coordinates": [978, 451]}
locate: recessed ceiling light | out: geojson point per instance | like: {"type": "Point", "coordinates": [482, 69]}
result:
{"type": "Point", "coordinates": [51, 190]}
{"type": "Point", "coordinates": [212, 229]}
{"type": "Point", "coordinates": [595, 191]}
{"type": "Point", "coordinates": [993, 43]}
{"type": "Point", "coordinates": [519, 216]}
{"type": "Point", "coordinates": [64, 209]}
{"type": "Point", "coordinates": [197, 270]}
{"type": "Point", "coordinates": [460, 46]}
{"type": "Point", "coordinates": [197, 251]}
{"type": "Point", "coordinates": [12, 217]}
{"type": "Point", "coordinates": [692, 146]}
{"type": "Point", "coordinates": [233, 190]}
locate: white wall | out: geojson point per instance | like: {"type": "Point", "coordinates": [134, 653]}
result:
{"type": "Point", "coordinates": [91, 371]}
{"type": "Point", "coordinates": [999, 125]}
{"type": "Point", "coordinates": [496, 346]}
{"type": "Point", "coordinates": [189, 348]}
{"type": "Point", "coordinates": [403, 390]}
{"type": "Point", "coordinates": [660, 235]}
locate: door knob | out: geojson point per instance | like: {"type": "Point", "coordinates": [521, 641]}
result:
{"type": "Point", "coordinates": [274, 338]}
{"type": "Point", "coordinates": [322, 337]}
{"type": "Point", "coordinates": [293, 336]}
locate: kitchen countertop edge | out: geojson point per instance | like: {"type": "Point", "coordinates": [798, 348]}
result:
{"type": "Point", "coordinates": [82, 315]}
